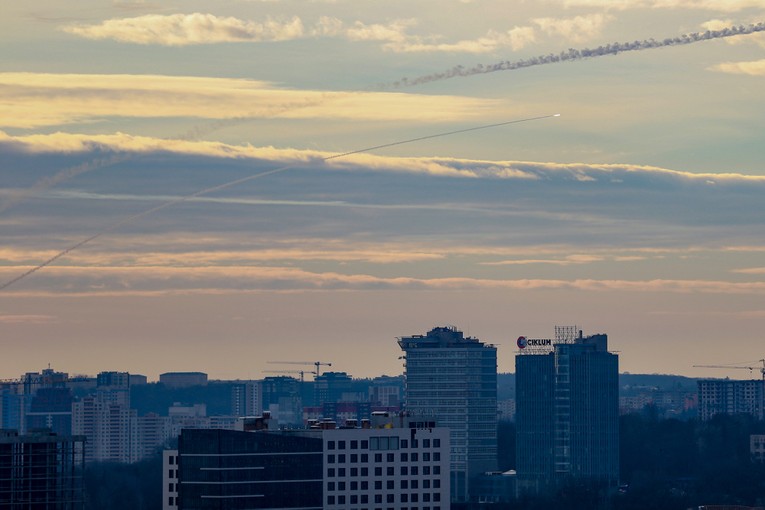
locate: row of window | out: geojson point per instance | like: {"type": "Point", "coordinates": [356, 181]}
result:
{"type": "Point", "coordinates": [382, 443]}
{"type": "Point", "coordinates": [389, 471]}
{"type": "Point", "coordinates": [378, 457]}
{"type": "Point", "coordinates": [389, 485]}
{"type": "Point", "coordinates": [355, 499]}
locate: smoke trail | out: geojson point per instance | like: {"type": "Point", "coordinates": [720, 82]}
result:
{"type": "Point", "coordinates": [164, 205]}
{"type": "Point", "coordinates": [572, 55]}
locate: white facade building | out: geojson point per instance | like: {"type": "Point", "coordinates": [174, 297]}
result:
{"type": "Point", "coordinates": [393, 468]}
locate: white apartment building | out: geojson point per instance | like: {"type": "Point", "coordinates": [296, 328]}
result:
{"type": "Point", "coordinates": [404, 467]}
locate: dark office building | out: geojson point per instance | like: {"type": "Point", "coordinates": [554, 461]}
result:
{"type": "Point", "coordinates": [227, 469]}
{"type": "Point", "coordinates": [40, 471]}
{"type": "Point", "coordinates": [51, 408]}
{"type": "Point", "coordinates": [567, 416]}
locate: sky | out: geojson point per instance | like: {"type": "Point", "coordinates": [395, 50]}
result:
{"type": "Point", "coordinates": [170, 199]}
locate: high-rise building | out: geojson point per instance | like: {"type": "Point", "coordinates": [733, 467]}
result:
{"type": "Point", "coordinates": [726, 396]}
{"type": "Point", "coordinates": [452, 379]}
{"type": "Point", "coordinates": [40, 471]}
{"type": "Point", "coordinates": [567, 411]}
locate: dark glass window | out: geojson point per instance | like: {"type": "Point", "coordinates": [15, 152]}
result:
{"type": "Point", "coordinates": [331, 486]}
{"type": "Point", "coordinates": [436, 443]}
{"type": "Point", "coordinates": [364, 457]}
{"type": "Point", "coordinates": [364, 485]}
{"type": "Point", "coordinates": [414, 484]}
{"type": "Point", "coordinates": [414, 471]}
{"type": "Point", "coordinates": [341, 445]}
{"type": "Point", "coordinates": [330, 500]}
{"type": "Point", "coordinates": [436, 483]}
{"type": "Point", "coordinates": [330, 472]}
{"type": "Point", "coordinates": [378, 485]}
{"type": "Point", "coordinates": [391, 457]}
{"type": "Point", "coordinates": [415, 457]}
{"type": "Point", "coordinates": [341, 458]}
{"type": "Point", "coordinates": [378, 471]}
{"type": "Point", "coordinates": [404, 470]}
{"type": "Point", "coordinates": [354, 486]}
{"type": "Point", "coordinates": [404, 457]}
{"type": "Point", "coordinates": [378, 498]}
{"type": "Point", "coordinates": [391, 498]}
{"type": "Point", "coordinates": [390, 485]}
{"type": "Point", "coordinates": [426, 443]}
{"type": "Point", "coordinates": [330, 459]}
{"type": "Point", "coordinates": [354, 458]}
{"type": "Point", "coordinates": [390, 471]}
{"type": "Point", "coordinates": [404, 484]}
{"type": "Point", "coordinates": [436, 456]}
{"type": "Point", "coordinates": [341, 472]}
{"type": "Point", "coordinates": [341, 486]}
{"type": "Point", "coordinates": [330, 445]}
{"type": "Point", "coordinates": [426, 457]}
{"type": "Point", "coordinates": [354, 445]}
{"type": "Point", "coordinates": [404, 443]}
{"type": "Point", "coordinates": [364, 471]}
{"type": "Point", "coordinates": [354, 471]}
{"type": "Point", "coordinates": [364, 444]}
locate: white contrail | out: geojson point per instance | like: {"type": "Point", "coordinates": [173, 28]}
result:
{"type": "Point", "coordinates": [573, 55]}
{"type": "Point", "coordinates": [570, 55]}
{"type": "Point", "coordinates": [164, 205]}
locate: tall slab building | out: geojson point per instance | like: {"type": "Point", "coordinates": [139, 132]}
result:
{"type": "Point", "coordinates": [453, 380]}
{"type": "Point", "coordinates": [567, 414]}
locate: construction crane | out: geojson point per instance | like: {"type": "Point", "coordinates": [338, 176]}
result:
{"type": "Point", "coordinates": [751, 369]}
{"type": "Point", "coordinates": [317, 364]}
{"type": "Point", "coordinates": [301, 372]}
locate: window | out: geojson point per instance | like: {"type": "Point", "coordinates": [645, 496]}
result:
{"type": "Point", "coordinates": [378, 498]}
{"type": "Point", "coordinates": [170, 487]}
{"type": "Point", "coordinates": [415, 457]}
{"type": "Point", "coordinates": [426, 457]}
{"type": "Point", "coordinates": [364, 498]}
{"type": "Point", "coordinates": [404, 457]}
{"type": "Point", "coordinates": [390, 457]}
{"type": "Point", "coordinates": [331, 486]}
{"type": "Point", "coordinates": [436, 443]}
{"type": "Point", "coordinates": [414, 484]}
{"type": "Point", "coordinates": [364, 444]}
{"type": "Point", "coordinates": [436, 470]}
{"type": "Point", "coordinates": [414, 443]}
{"type": "Point", "coordinates": [390, 485]}
{"type": "Point", "coordinates": [354, 445]}
{"type": "Point", "coordinates": [436, 496]}
{"type": "Point", "coordinates": [436, 484]}
{"type": "Point", "coordinates": [426, 497]}
{"type": "Point", "coordinates": [330, 472]}
{"type": "Point", "coordinates": [404, 498]}
{"type": "Point", "coordinates": [354, 471]}
{"type": "Point", "coordinates": [404, 443]}
{"type": "Point", "coordinates": [436, 456]}
{"type": "Point", "coordinates": [364, 486]}
{"type": "Point", "coordinates": [341, 486]}
{"type": "Point", "coordinates": [341, 445]}
{"type": "Point", "coordinates": [404, 484]}
{"type": "Point", "coordinates": [391, 498]}
{"type": "Point", "coordinates": [354, 486]}
{"type": "Point", "coordinates": [364, 471]}
{"type": "Point", "coordinates": [330, 500]}
{"type": "Point", "coordinates": [341, 458]}
{"type": "Point", "coordinates": [341, 500]}
{"type": "Point", "coordinates": [364, 457]}
{"type": "Point", "coordinates": [378, 486]}
{"type": "Point", "coordinates": [378, 457]}
{"type": "Point", "coordinates": [426, 443]}
{"type": "Point", "coordinates": [171, 459]}
{"type": "Point", "coordinates": [415, 497]}
{"type": "Point", "coordinates": [426, 484]}
{"type": "Point", "coordinates": [330, 459]}
{"type": "Point", "coordinates": [390, 471]}
{"type": "Point", "coordinates": [404, 470]}
{"type": "Point", "coordinates": [425, 470]}
{"type": "Point", "coordinates": [354, 458]}
{"type": "Point", "coordinates": [341, 472]}
{"type": "Point", "coordinates": [354, 499]}
{"type": "Point", "coordinates": [414, 470]}
{"type": "Point", "coordinates": [330, 445]}
{"type": "Point", "coordinates": [378, 471]}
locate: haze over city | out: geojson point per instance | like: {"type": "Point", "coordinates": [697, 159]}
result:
{"type": "Point", "coordinates": [638, 212]}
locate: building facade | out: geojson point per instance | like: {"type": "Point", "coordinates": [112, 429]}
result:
{"type": "Point", "coordinates": [567, 412]}
{"type": "Point", "coordinates": [41, 471]}
{"type": "Point", "coordinates": [452, 380]}
{"type": "Point", "coordinates": [228, 469]}
{"type": "Point", "coordinates": [394, 466]}
{"type": "Point", "coordinates": [726, 396]}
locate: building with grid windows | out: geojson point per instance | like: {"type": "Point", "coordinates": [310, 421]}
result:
{"type": "Point", "coordinates": [567, 411]}
{"type": "Point", "coordinates": [41, 471]}
{"type": "Point", "coordinates": [452, 380]}
{"type": "Point", "coordinates": [400, 465]}
{"type": "Point", "coordinates": [726, 396]}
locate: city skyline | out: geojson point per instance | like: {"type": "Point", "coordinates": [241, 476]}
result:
{"type": "Point", "coordinates": [638, 212]}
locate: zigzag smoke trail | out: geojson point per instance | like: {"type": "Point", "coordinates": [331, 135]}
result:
{"type": "Point", "coordinates": [573, 55]}
{"type": "Point", "coordinates": [164, 205]}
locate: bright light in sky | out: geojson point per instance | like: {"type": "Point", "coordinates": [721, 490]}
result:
{"type": "Point", "coordinates": [639, 213]}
